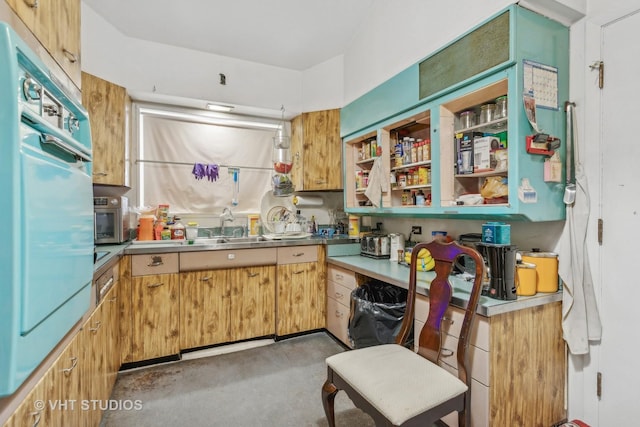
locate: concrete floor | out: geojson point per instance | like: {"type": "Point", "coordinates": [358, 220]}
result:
{"type": "Point", "coordinates": [274, 385]}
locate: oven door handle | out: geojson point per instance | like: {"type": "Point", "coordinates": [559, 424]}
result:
{"type": "Point", "coordinates": [50, 139]}
{"type": "Point", "coordinates": [36, 122]}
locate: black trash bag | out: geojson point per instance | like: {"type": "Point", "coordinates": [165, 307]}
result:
{"type": "Point", "coordinates": [377, 310]}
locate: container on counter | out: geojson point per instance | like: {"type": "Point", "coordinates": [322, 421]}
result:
{"type": "Point", "coordinates": [525, 279]}
{"type": "Point", "coordinates": [146, 227]}
{"type": "Point", "coordinates": [191, 231]}
{"type": "Point", "coordinates": [166, 234]}
{"type": "Point", "coordinates": [354, 226]}
{"type": "Point", "coordinates": [253, 224]}
{"type": "Point", "coordinates": [546, 269]}
{"type": "Point", "coordinates": [496, 232]}
{"type": "Point", "coordinates": [177, 230]}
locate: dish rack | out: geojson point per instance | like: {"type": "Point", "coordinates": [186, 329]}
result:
{"type": "Point", "coordinates": [281, 220]}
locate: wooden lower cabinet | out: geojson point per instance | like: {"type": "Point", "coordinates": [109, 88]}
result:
{"type": "Point", "coordinates": [301, 297]}
{"type": "Point", "coordinates": [155, 316]}
{"type": "Point", "coordinates": [253, 301]}
{"type": "Point", "coordinates": [205, 306]}
{"type": "Point", "coordinates": [75, 389]}
{"type": "Point", "coordinates": [518, 364]}
{"type": "Point", "coordinates": [34, 409]}
{"type": "Point", "coordinates": [226, 305]}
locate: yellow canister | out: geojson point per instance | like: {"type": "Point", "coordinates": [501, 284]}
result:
{"type": "Point", "coordinates": [546, 269]}
{"type": "Point", "coordinates": [526, 279]}
{"type": "Point", "coordinates": [354, 226]}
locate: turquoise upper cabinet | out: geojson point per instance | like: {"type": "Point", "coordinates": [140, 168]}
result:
{"type": "Point", "coordinates": [453, 132]}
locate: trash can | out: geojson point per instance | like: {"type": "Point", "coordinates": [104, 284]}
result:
{"type": "Point", "coordinates": [376, 314]}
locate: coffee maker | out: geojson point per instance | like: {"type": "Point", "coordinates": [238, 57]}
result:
{"type": "Point", "coordinates": [501, 265]}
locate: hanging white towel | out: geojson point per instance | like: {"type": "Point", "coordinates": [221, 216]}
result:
{"type": "Point", "coordinates": [580, 317]}
{"type": "Point", "coordinates": [378, 183]}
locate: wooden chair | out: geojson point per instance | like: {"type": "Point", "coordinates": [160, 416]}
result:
{"type": "Point", "coordinates": [398, 387]}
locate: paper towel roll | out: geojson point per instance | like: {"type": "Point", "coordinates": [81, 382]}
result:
{"type": "Point", "coordinates": [307, 201]}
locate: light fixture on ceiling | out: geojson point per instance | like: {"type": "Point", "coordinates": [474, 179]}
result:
{"type": "Point", "coordinates": [219, 107]}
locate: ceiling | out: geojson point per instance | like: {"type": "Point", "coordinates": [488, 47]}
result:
{"type": "Point", "coordinates": [292, 34]}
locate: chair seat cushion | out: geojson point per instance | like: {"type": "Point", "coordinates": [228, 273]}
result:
{"type": "Point", "coordinates": [396, 381]}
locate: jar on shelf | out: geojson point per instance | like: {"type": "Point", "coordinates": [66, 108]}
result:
{"type": "Point", "coordinates": [422, 175]}
{"type": "Point", "coordinates": [405, 197]}
{"type": "Point", "coordinates": [501, 108]}
{"type": "Point", "coordinates": [419, 151]}
{"type": "Point", "coordinates": [426, 150]}
{"type": "Point", "coordinates": [487, 112]}
{"type": "Point", "coordinates": [467, 119]}
{"type": "Point", "coordinates": [402, 179]}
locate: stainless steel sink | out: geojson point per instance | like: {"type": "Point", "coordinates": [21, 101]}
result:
{"type": "Point", "coordinates": [219, 240]}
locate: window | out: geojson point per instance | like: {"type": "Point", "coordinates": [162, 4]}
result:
{"type": "Point", "coordinates": [171, 142]}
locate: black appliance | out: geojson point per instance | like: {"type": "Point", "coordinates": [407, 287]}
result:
{"type": "Point", "coordinates": [501, 262]}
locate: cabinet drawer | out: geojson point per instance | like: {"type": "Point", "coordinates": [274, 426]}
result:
{"type": "Point", "coordinates": [142, 265]}
{"type": "Point", "coordinates": [479, 404]}
{"type": "Point", "coordinates": [297, 254]}
{"type": "Point", "coordinates": [478, 359]}
{"type": "Point", "coordinates": [338, 320]}
{"type": "Point", "coordinates": [209, 260]}
{"type": "Point", "coordinates": [452, 322]}
{"type": "Point", "coordinates": [339, 293]}
{"type": "Point", "coordinates": [342, 276]}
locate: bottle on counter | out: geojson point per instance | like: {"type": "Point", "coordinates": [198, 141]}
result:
{"type": "Point", "coordinates": [177, 230]}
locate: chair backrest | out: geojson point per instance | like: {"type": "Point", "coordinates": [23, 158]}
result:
{"type": "Point", "coordinates": [440, 291]}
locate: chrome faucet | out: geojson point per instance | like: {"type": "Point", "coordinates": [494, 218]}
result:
{"type": "Point", "coordinates": [226, 216]}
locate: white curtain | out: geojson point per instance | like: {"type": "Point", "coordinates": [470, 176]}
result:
{"type": "Point", "coordinates": [172, 140]}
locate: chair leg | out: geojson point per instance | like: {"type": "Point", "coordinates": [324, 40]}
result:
{"type": "Point", "coordinates": [328, 396]}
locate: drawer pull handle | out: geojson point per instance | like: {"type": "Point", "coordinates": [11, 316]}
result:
{"type": "Point", "coordinates": [445, 352]}
{"type": "Point", "coordinates": [205, 279]}
{"type": "Point", "coordinates": [339, 313]}
{"type": "Point", "coordinates": [36, 418]}
{"type": "Point", "coordinates": [339, 276]}
{"type": "Point", "coordinates": [113, 299]}
{"type": "Point", "coordinates": [298, 272]}
{"type": "Point", "coordinates": [72, 57]}
{"type": "Point", "coordinates": [74, 363]}
{"type": "Point", "coordinates": [448, 320]}
{"type": "Point", "coordinates": [33, 5]}
{"type": "Point", "coordinates": [251, 274]}
{"type": "Point", "coordinates": [96, 328]}
{"type": "Point", "coordinates": [339, 295]}
{"type": "Point", "coordinates": [100, 174]}
{"type": "Point", "coordinates": [155, 261]}
{"type": "Point", "coordinates": [298, 254]}
{"type": "Point", "coordinates": [154, 285]}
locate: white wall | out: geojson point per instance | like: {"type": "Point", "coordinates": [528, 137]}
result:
{"type": "Point", "coordinates": [148, 67]}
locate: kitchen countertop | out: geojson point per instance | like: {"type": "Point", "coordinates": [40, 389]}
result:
{"type": "Point", "coordinates": [398, 275]}
{"type": "Point", "coordinates": [130, 248]}
{"type": "Point", "coordinates": [384, 270]}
